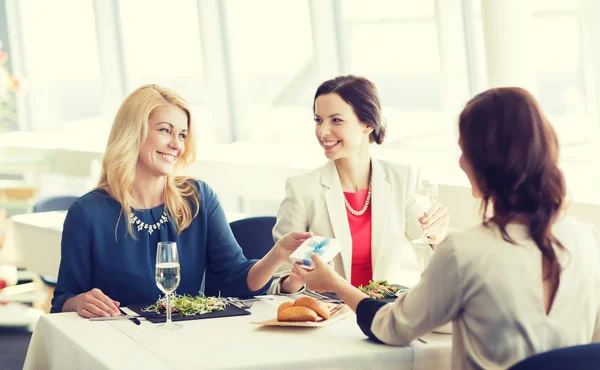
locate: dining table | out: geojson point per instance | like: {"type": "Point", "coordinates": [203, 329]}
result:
{"type": "Point", "coordinates": [33, 241]}
{"type": "Point", "coordinates": [68, 341]}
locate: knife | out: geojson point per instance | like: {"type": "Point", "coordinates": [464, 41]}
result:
{"type": "Point", "coordinates": [122, 317]}
{"type": "Point", "coordinates": [135, 320]}
{"type": "Point", "coordinates": [252, 299]}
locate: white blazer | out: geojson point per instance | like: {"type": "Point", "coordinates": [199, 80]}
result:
{"type": "Point", "coordinates": [315, 202]}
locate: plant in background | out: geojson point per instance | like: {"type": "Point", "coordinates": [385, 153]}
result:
{"type": "Point", "coordinates": [10, 86]}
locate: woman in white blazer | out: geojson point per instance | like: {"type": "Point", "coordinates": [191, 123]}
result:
{"type": "Point", "coordinates": [525, 281]}
{"type": "Point", "coordinates": [365, 203]}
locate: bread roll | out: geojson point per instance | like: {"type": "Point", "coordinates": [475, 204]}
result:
{"type": "Point", "coordinates": [284, 305]}
{"type": "Point", "coordinates": [319, 307]}
{"type": "Point", "coordinates": [297, 313]}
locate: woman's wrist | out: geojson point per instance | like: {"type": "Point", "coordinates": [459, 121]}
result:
{"type": "Point", "coordinates": [70, 304]}
{"type": "Point", "coordinates": [288, 286]}
{"type": "Point", "coordinates": [276, 255]}
{"type": "Point", "coordinates": [339, 284]}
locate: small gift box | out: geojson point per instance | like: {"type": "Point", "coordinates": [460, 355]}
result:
{"type": "Point", "coordinates": [326, 248]}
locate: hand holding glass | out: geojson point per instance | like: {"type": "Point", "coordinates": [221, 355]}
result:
{"type": "Point", "coordinates": [426, 195]}
{"type": "Point", "coordinates": [168, 272]}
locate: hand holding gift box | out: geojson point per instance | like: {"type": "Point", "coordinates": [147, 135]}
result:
{"type": "Point", "coordinates": [326, 248]}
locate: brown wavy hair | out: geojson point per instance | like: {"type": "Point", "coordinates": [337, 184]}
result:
{"type": "Point", "coordinates": [513, 151]}
{"type": "Point", "coordinates": [362, 95]}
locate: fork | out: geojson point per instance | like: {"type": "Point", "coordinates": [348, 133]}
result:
{"type": "Point", "coordinates": [322, 297]}
{"type": "Point", "coordinates": [336, 309]}
{"type": "Point", "coordinates": [314, 294]}
{"type": "Point", "coordinates": [400, 291]}
{"type": "Point", "coordinates": [387, 293]}
{"type": "Point", "coordinates": [241, 304]}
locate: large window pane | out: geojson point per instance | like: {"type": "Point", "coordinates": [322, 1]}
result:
{"type": "Point", "coordinates": [161, 44]}
{"type": "Point", "coordinates": [563, 89]}
{"type": "Point", "coordinates": [395, 44]}
{"type": "Point", "coordinates": [555, 5]}
{"type": "Point", "coordinates": [61, 57]}
{"type": "Point", "coordinates": [272, 68]}
{"type": "Point", "coordinates": [558, 60]}
{"type": "Point", "coordinates": [562, 81]}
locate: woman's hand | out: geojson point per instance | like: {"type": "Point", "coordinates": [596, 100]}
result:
{"type": "Point", "coordinates": [262, 271]}
{"type": "Point", "coordinates": [92, 304]}
{"type": "Point", "coordinates": [294, 282]}
{"type": "Point", "coordinates": [435, 223]}
{"type": "Point", "coordinates": [289, 243]}
{"type": "Point", "coordinates": [322, 278]}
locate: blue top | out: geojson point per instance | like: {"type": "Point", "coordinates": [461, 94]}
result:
{"type": "Point", "coordinates": [96, 253]}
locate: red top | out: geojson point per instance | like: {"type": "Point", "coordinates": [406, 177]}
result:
{"type": "Point", "coordinates": [360, 229]}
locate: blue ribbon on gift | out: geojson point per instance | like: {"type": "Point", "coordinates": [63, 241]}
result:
{"type": "Point", "coordinates": [317, 248]}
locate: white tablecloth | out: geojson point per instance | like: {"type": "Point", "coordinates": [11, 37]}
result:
{"type": "Point", "coordinates": [33, 241]}
{"type": "Point", "coordinates": [66, 341]}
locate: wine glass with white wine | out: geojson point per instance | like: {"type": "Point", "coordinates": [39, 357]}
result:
{"type": "Point", "coordinates": [168, 273]}
{"type": "Point", "coordinates": [426, 194]}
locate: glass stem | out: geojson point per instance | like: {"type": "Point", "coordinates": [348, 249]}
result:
{"type": "Point", "coordinates": [425, 238]}
{"type": "Point", "coordinates": [168, 309]}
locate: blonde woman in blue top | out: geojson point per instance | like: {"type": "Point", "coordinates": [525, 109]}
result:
{"type": "Point", "coordinates": [110, 235]}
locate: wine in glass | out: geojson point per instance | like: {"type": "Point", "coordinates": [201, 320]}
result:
{"type": "Point", "coordinates": [168, 273]}
{"type": "Point", "coordinates": [426, 195]}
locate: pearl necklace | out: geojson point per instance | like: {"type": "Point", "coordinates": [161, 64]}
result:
{"type": "Point", "coordinates": [364, 208]}
{"type": "Point", "coordinates": [133, 219]}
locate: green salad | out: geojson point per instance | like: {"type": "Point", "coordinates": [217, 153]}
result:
{"type": "Point", "coordinates": [380, 289]}
{"type": "Point", "coordinates": [187, 305]}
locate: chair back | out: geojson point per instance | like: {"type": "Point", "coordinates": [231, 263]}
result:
{"type": "Point", "coordinates": [54, 203]}
{"type": "Point", "coordinates": [50, 204]}
{"type": "Point", "coordinates": [254, 235]}
{"type": "Point", "coordinates": [583, 357]}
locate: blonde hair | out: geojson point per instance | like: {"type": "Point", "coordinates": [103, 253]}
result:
{"type": "Point", "coordinates": [128, 133]}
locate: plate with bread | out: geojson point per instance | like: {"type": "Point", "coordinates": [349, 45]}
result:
{"type": "Point", "coordinates": [306, 312]}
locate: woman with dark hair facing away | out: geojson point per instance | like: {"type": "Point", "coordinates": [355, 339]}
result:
{"type": "Point", "coordinates": [365, 203]}
{"type": "Point", "coordinates": [525, 281]}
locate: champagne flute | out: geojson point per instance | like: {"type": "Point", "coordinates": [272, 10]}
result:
{"type": "Point", "coordinates": [168, 273]}
{"type": "Point", "coordinates": [426, 194]}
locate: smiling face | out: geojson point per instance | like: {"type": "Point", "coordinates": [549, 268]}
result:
{"type": "Point", "coordinates": [337, 128]}
{"type": "Point", "coordinates": [165, 142]}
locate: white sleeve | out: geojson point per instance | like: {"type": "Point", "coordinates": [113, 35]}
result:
{"type": "Point", "coordinates": [291, 215]}
{"type": "Point", "coordinates": [434, 301]}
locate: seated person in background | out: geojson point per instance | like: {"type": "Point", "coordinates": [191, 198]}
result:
{"type": "Point", "coordinates": [525, 281]}
{"type": "Point", "coordinates": [365, 203]}
{"type": "Point", "coordinates": [110, 235]}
